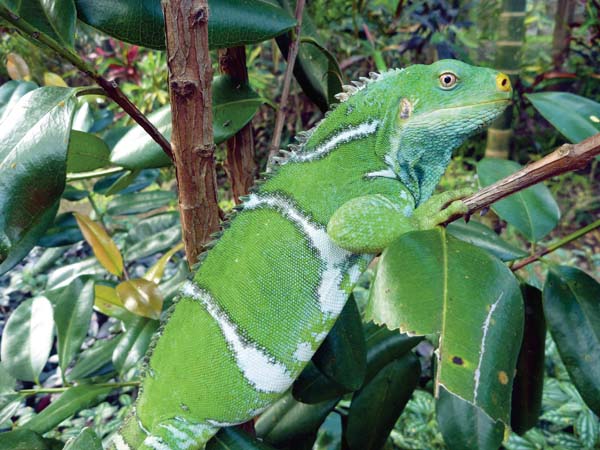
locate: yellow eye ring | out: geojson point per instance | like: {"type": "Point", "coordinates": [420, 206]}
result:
{"type": "Point", "coordinates": [447, 80]}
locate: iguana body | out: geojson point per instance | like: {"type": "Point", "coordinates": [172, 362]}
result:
{"type": "Point", "coordinates": [272, 287]}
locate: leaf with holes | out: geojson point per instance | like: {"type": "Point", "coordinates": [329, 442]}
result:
{"type": "Point", "coordinates": [232, 22]}
{"type": "Point", "coordinates": [234, 105]}
{"type": "Point", "coordinates": [27, 339]}
{"type": "Point", "coordinates": [571, 307]}
{"type": "Point", "coordinates": [467, 297]}
{"type": "Point", "coordinates": [576, 117]}
{"type": "Point", "coordinates": [103, 246]}
{"type": "Point", "coordinates": [532, 211]}
{"type": "Point", "coordinates": [34, 139]}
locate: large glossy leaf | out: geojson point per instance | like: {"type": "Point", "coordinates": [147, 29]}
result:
{"type": "Point", "coordinates": [64, 275]}
{"type": "Point", "coordinates": [72, 314]}
{"type": "Point", "coordinates": [64, 231]}
{"type": "Point", "coordinates": [478, 234]}
{"type": "Point", "coordinates": [231, 438]}
{"type": "Point", "coordinates": [573, 313]}
{"type": "Point", "coordinates": [141, 297]}
{"type": "Point", "coordinates": [532, 211]}
{"type": "Point", "coordinates": [313, 386]}
{"type": "Point", "coordinates": [11, 92]}
{"type": "Point", "coordinates": [529, 379]}
{"type": "Point", "coordinates": [53, 18]}
{"type": "Point", "coordinates": [103, 246]}
{"type": "Point", "coordinates": [316, 69]}
{"type": "Point", "coordinates": [376, 407]}
{"type": "Point", "coordinates": [87, 152]}
{"type": "Point", "coordinates": [139, 202]}
{"type": "Point", "coordinates": [234, 105]}
{"type": "Point", "coordinates": [231, 22]}
{"type": "Point", "coordinates": [94, 359]}
{"type": "Point", "coordinates": [27, 339]}
{"type": "Point", "coordinates": [133, 344]}
{"type": "Point", "coordinates": [289, 421]}
{"type": "Point", "coordinates": [467, 297]}
{"type": "Point", "coordinates": [33, 151]}
{"type": "Point", "coordinates": [70, 402]}
{"type": "Point", "coordinates": [576, 117]}
{"type": "Point", "coordinates": [85, 440]}
{"type": "Point", "coordinates": [342, 356]}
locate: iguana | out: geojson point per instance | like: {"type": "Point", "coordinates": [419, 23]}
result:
{"type": "Point", "coordinates": [268, 292]}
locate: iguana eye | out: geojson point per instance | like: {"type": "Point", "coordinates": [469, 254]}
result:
{"type": "Point", "coordinates": [447, 80]}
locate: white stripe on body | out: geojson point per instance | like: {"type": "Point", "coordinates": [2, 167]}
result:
{"type": "Point", "coordinates": [119, 442]}
{"type": "Point", "coordinates": [261, 370]}
{"type": "Point", "coordinates": [362, 130]}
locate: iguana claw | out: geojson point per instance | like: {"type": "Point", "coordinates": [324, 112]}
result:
{"type": "Point", "coordinates": [439, 208]}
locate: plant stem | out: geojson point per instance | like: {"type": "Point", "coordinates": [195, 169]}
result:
{"type": "Point", "coordinates": [63, 389]}
{"type": "Point", "coordinates": [94, 174]}
{"type": "Point", "coordinates": [287, 80]}
{"type": "Point", "coordinates": [111, 88]}
{"type": "Point", "coordinates": [558, 244]}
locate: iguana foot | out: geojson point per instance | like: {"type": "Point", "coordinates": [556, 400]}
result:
{"type": "Point", "coordinates": [439, 208]}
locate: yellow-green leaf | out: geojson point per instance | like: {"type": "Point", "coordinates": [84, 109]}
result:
{"type": "Point", "coordinates": [108, 302]}
{"type": "Point", "coordinates": [52, 79]}
{"type": "Point", "coordinates": [141, 297]}
{"type": "Point", "coordinates": [155, 272]}
{"type": "Point", "coordinates": [103, 246]}
{"type": "Point", "coordinates": [17, 68]}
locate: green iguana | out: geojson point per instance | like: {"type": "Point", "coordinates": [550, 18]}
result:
{"type": "Point", "coordinates": [268, 292]}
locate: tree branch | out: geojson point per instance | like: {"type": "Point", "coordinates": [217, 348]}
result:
{"type": "Point", "coordinates": [287, 80]}
{"type": "Point", "coordinates": [111, 88]}
{"type": "Point", "coordinates": [565, 158]}
{"type": "Point", "coordinates": [190, 77]}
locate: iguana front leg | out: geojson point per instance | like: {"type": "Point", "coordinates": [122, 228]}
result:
{"type": "Point", "coordinates": [370, 223]}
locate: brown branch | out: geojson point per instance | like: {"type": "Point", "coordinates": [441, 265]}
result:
{"type": "Point", "coordinates": [111, 88]}
{"type": "Point", "coordinates": [239, 162]}
{"type": "Point", "coordinates": [565, 158]}
{"type": "Point", "coordinates": [190, 77]}
{"type": "Point", "coordinates": [287, 81]}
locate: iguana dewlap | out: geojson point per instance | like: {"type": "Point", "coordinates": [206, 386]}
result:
{"type": "Point", "coordinates": [269, 291]}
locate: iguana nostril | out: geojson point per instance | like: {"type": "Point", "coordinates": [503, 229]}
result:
{"type": "Point", "coordinates": [503, 83]}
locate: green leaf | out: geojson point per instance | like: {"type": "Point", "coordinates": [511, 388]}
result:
{"type": "Point", "coordinates": [33, 151]}
{"type": "Point", "coordinates": [72, 314]}
{"type": "Point", "coordinates": [587, 428]}
{"type": "Point", "coordinates": [529, 379]}
{"type": "Point", "coordinates": [571, 307]}
{"type": "Point", "coordinates": [313, 386]}
{"type": "Point", "coordinates": [64, 231]}
{"type": "Point", "coordinates": [465, 426]}
{"type": "Point", "coordinates": [11, 92]}
{"type": "Point", "coordinates": [7, 381]}
{"type": "Point", "coordinates": [155, 243]}
{"type": "Point", "coordinates": [70, 402]}
{"type": "Point", "coordinates": [141, 297]}
{"type": "Point", "coordinates": [55, 19]}
{"type": "Point", "coordinates": [467, 296]}
{"type": "Point", "coordinates": [93, 359]}
{"type": "Point", "coordinates": [152, 225]}
{"type": "Point", "coordinates": [133, 344]}
{"type": "Point", "coordinates": [376, 407]}
{"type": "Point", "coordinates": [289, 421]}
{"type": "Point", "coordinates": [64, 275]}
{"type": "Point", "coordinates": [155, 273]}
{"type": "Point", "coordinates": [21, 439]}
{"type": "Point", "coordinates": [86, 440]}
{"type": "Point", "coordinates": [533, 211]}
{"type": "Point", "coordinates": [86, 152]}
{"type": "Point", "coordinates": [9, 405]}
{"type": "Point", "coordinates": [104, 248]}
{"type": "Point", "coordinates": [576, 117]}
{"type": "Point", "coordinates": [231, 438]}
{"type": "Point", "coordinates": [27, 339]}
{"type": "Point", "coordinates": [342, 355]}
{"type": "Point", "coordinates": [231, 22]}
{"type": "Point", "coordinates": [139, 202]}
{"type": "Point", "coordinates": [126, 183]}
{"type": "Point", "coordinates": [481, 236]}
{"type": "Point", "coordinates": [108, 302]}
{"type": "Point", "coordinates": [234, 105]}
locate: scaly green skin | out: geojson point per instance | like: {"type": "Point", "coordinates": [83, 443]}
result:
{"type": "Point", "coordinates": [270, 290]}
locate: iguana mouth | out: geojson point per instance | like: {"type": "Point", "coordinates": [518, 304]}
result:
{"type": "Point", "coordinates": [472, 105]}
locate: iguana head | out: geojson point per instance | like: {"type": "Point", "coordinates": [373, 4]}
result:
{"type": "Point", "coordinates": [440, 106]}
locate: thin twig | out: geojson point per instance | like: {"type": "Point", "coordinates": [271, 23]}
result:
{"type": "Point", "coordinates": [111, 88]}
{"type": "Point", "coordinates": [561, 243]}
{"type": "Point", "coordinates": [287, 81]}
{"type": "Point", "coordinates": [565, 158]}
{"type": "Point", "coordinates": [63, 389]}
